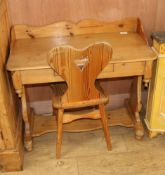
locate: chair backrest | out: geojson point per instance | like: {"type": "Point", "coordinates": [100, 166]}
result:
{"type": "Point", "coordinates": [80, 68]}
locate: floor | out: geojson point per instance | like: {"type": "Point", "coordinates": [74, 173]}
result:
{"type": "Point", "coordinates": [86, 154]}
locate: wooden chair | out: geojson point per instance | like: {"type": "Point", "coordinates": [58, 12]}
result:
{"type": "Point", "coordinates": [80, 96]}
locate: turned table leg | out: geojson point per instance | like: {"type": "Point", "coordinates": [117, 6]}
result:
{"type": "Point", "coordinates": [27, 121]}
{"type": "Point", "coordinates": [27, 118]}
{"type": "Point", "coordinates": [134, 106]}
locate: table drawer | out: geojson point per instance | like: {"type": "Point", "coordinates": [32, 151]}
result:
{"type": "Point", "coordinates": [110, 71]}
{"type": "Point", "coordinates": [128, 69]}
{"type": "Point", "coordinates": [39, 76]}
{"type": "Point", "coordinates": [106, 71]}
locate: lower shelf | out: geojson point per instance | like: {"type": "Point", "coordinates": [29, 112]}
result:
{"type": "Point", "coordinates": [46, 124]}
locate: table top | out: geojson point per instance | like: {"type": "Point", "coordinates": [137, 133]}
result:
{"type": "Point", "coordinates": [27, 54]}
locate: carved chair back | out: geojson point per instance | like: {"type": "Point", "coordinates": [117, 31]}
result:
{"type": "Point", "coordinates": [79, 68]}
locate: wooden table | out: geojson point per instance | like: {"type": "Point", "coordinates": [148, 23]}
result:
{"type": "Point", "coordinates": [132, 57]}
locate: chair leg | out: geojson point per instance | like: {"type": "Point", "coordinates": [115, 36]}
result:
{"type": "Point", "coordinates": [59, 132]}
{"type": "Point", "coordinates": [104, 121]}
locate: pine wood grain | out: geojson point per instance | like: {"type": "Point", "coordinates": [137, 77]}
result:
{"type": "Point", "coordinates": [67, 28]}
{"type": "Point", "coordinates": [8, 121]}
{"type": "Point", "coordinates": [79, 75]}
{"type": "Point", "coordinates": [79, 68]}
{"type": "Point", "coordinates": [46, 124]}
{"type": "Point", "coordinates": [34, 51]}
{"type": "Point", "coordinates": [35, 13]}
{"type": "Point", "coordinates": [10, 124]}
{"type": "Point", "coordinates": [131, 49]}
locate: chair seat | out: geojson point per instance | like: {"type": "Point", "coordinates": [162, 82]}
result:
{"type": "Point", "coordinates": [60, 88]}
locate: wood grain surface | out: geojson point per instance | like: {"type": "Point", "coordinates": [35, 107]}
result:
{"type": "Point", "coordinates": [10, 124]}
{"type": "Point", "coordinates": [41, 12]}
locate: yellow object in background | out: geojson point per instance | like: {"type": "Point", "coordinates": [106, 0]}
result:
{"type": "Point", "coordinates": [155, 115]}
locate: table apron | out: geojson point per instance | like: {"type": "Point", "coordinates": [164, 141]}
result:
{"type": "Point", "coordinates": [112, 70]}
